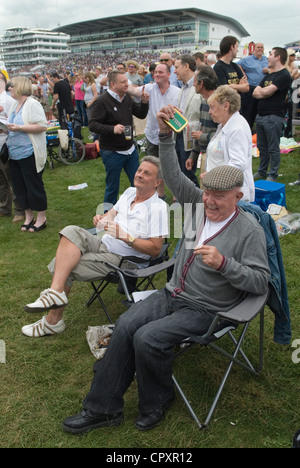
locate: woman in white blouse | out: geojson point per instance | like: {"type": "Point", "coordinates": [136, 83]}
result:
{"type": "Point", "coordinates": [232, 143]}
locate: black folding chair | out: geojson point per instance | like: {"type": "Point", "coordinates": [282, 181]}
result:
{"type": "Point", "coordinates": [239, 319]}
{"type": "Point", "coordinates": [131, 280]}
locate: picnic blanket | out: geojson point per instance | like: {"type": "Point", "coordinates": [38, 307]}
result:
{"type": "Point", "coordinates": [286, 145]}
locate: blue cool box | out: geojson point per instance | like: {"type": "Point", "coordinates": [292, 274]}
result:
{"type": "Point", "coordinates": [267, 192]}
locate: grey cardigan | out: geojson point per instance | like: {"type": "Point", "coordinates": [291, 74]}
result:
{"type": "Point", "coordinates": [242, 243]}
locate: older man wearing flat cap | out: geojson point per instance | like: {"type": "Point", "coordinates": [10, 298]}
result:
{"type": "Point", "coordinates": [222, 255]}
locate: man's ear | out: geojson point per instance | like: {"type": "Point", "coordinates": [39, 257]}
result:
{"type": "Point", "coordinates": [158, 182]}
{"type": "Point", "coordinates": [239, 195]}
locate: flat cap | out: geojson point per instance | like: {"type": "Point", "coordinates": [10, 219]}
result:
{"type": "Point", "coordinates": [223, 178]}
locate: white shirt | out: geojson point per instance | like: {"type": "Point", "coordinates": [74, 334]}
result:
{"type": "Point", "coordinates": [216, 153]}
{"type": "Point", "coordinates": [156, 101]}
{"type": "Point", "coordinates": [145, 220]}
{"type": "Point", "coordinates": [211, 228]}
{"type": "Point", "coordinates": [234, 141]}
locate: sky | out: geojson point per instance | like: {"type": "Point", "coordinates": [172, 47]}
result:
{"type": "Point", "coordinates": [274, 23]}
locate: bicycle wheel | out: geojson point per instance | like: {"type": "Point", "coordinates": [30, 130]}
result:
{"type": "Point", "coordinates": [74, 153]}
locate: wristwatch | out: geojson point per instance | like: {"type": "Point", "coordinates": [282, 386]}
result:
{"type": "Point", "coordinates": [131, 240]}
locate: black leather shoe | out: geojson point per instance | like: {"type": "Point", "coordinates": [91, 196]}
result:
{"type": "Point", "coordinates": [146, 421]}
{"type": "Point", "coordinates": [87, 421]}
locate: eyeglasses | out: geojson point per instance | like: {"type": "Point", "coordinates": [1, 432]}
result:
{"type": "Point", "coordinates": [131, 66]}
{"type": "Point", "coordinates": [164, 60]}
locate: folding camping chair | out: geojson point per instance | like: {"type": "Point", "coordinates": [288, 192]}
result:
{"type": "Point", "coordinates": [130, 280]}
{"type": "Point", "coordinates": [239, 317]}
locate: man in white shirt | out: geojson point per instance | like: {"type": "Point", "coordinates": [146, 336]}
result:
{"type": "Point", "coordinates": [7, 197]}
{"type": "Point", "coordinates": [166, 58]}
{"type": "Point", "coordinates": [161, 93]}
{"type": "Point", "coordinates": [135, 226]}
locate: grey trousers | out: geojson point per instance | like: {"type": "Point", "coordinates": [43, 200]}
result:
{"type": "Point", "coordinates": [269, 130]}
{"type": "Point", "coordinates": [91, 266]}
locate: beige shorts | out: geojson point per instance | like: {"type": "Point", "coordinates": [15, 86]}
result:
{"type": "Point", "coordinates": [92, 264]}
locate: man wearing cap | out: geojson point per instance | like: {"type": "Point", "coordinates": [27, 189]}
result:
{"type": "Point", "coordinates": [222, 255]}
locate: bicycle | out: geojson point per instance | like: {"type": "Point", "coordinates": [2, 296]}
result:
{"type": "Point", "coordinates": [75, 151]}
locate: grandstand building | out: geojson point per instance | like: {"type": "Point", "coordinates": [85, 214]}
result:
{"type": "Point", "coordinates": [22, 46]}
{"type": "Point", "coordinates": [159, 30]}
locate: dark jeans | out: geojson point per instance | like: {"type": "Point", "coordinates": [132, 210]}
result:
{"type": "Point", "coordinates": [143, 342]}
{"type": "Point", "coordinates": [182, 157]}
{"type": "Point", "coordinates": [27, 184]}
{"type": "Point", "coordinates": [81, 109]}
{"type": "Point", "coordinates": [114, 163]}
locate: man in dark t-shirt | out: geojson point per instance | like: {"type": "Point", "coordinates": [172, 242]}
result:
{"type": "Point", "coordinates": [271, 93]}
{"type": "Point", "coordinates": [228, 72]}
{"type": "Point", "coordinates": [62, 98]}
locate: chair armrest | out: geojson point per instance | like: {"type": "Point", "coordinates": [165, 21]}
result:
{"type": "Point", "coordinates": [144, 272]}
{"type": "Point", "coordinates": [247, 309]}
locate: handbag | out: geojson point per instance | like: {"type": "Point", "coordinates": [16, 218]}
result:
{"type": "Point", "coordinates": [4, 155]}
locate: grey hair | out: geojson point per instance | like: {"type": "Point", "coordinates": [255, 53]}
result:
{"type": "Point", "coordinates": [153, 160]}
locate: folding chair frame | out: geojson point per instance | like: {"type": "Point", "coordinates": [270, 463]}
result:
{"type": "Point", "coordinates": [143, 276]}
{"type": "Point", "coordinates": [242, 316]}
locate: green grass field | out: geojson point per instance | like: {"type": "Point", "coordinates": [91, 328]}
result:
{"type": "Point", "coordinates": [45, 380]}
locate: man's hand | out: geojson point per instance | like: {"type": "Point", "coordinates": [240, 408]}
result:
{"type": "Point", "coordinates": [119, 129]}
{"type": "Point", "coordinates": [145, 96]}
{"type": "Point", "coordinates": [99, 221]}
{"type": "Point", "coordinates": [243, 80]}
{"type": "Point", "coordinates": [189, 164]}
{"type": "Point", "coordinates": [113, 229]}
{"type": "Point", "coordinates": [165, 113]}
{"type": "Point", "coordinates": [196, 135]}
{"type": "Point", "coordinates": [210, 255]}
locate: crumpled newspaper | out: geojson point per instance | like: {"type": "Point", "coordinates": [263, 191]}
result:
{"type": "Point", "coordinates": [98, 339]}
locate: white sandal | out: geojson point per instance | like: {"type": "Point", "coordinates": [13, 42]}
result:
{"type": "Point", "coordinates": [49, 299]}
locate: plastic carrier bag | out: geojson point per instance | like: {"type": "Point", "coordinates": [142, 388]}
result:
{"type": "Point", "coordinates": [63, 138]}
{"type": "Point", "coordinates": [288, 224]}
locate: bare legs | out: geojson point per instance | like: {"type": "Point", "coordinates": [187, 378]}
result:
{"type": "Point", "coordinates": [67, 258]}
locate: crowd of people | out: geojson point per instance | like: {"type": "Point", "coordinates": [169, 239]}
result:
{"type": "Point", "coordinates": [215, 267]}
